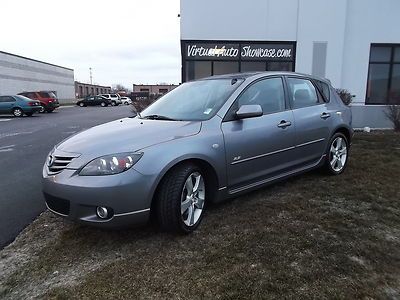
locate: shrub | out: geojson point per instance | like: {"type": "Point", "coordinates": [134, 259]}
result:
{"type": "Point", "coordinates": [393, 114]}
{"type": "Point", "coordinates": [345, 95]}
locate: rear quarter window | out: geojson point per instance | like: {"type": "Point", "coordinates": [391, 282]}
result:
{"type": "Point", "coordinates": [324, 89]}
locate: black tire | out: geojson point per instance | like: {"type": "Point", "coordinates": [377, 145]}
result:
{"type": "Point", "coordinates": [29, 114]}
{"type": "Point", "coordinates": [81, 104]}
{"type": "Point", "coordinates": [42, 110]}
{"type": "Point", "coordinates": [17, 112]}
{"type": "Point", "coordinates": [168, 199]}
{"type": "Point", "coordinates": [103, 104]}
{"type": "Point", "coordinates": [330, 167]}
{"type": "Point", "coordinates": [113, 103]}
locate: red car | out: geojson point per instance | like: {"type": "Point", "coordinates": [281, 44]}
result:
{"type": "Point", "coordinates": [47, 99]}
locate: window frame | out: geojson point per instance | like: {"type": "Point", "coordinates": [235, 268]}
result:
{"type": "Point", "coordinates": [321, 99]}
{"type": "Point", "coordinates": [12, 101]}
{"type": "Point", "coordinates": [230, 114]}
{"type": "Point", "coordinates": [391, 64]}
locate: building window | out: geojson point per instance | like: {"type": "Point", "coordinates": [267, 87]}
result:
{"type": "Point", "coordinates": [225, 67]}
{"type": "Point", "coordinates": [198, 69]}
{"type": "Point", "coordinates": [384, 74]}
{"type": "Point", "coordinates": [163, 91]}
{"type": "Point", "coordinates": [251, 66]}
{"type": "Point", "coordinates": [145, 90]}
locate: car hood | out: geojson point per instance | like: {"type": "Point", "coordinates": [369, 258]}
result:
{"type": "Point", "coordinates": [126, 135]}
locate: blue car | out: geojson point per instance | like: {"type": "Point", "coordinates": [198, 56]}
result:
{"type": "Point", "coordinates": [19, 105]}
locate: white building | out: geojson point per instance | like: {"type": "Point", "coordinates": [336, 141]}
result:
{"type": "Point", "coordinates": [19, 74]}
{"type": "Point", "coordinates": [353, 43]}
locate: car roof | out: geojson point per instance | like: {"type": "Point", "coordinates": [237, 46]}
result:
{"type": "Point", "coordinates": [245, 75]}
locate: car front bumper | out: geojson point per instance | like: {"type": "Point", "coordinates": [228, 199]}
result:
{"type": "Point", "coordinates": [126, 196]}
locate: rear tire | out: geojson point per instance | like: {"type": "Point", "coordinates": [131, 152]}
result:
{"type": "Point", "coordinates": [42, 110]}
{"type": "Point", "coordinates": [181, 199]}
{"type": "Point", "coordinates": [17, 112]}
{"type": "Point", "coordinates": [337, 154]}
{"type": "Point", "coordinates": [103, 104]}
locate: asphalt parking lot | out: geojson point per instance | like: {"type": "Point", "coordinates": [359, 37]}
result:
{"type": "Point", "coordinates": [24, 145]}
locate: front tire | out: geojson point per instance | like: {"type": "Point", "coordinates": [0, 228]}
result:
{"type": "Point", "coordinates": [337, 154]}
{"type": "Point", "coordinates": [81, 104]}
{"type": "Point", "coordinates": [181, 199]}
{"type": "Point", "coordinates": [113, 103]}
{"type": "Point", "coordinates": [103, 104]}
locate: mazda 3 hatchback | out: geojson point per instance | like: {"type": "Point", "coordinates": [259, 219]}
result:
{"type": "Point", "coordinates": [203, 142]}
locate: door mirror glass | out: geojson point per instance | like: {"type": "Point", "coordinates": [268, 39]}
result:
{"type": "Point", "coordinates": [249, 111]}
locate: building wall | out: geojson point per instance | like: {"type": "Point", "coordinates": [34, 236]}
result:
{"type": "Point", "coordinates": [84, 89]}
{"type": "Point", "coordinates": [18, 74]}
{"type": "Point", "coordinates": [153, 88]}
{"type": "Point", "coordinates": [346, 27]}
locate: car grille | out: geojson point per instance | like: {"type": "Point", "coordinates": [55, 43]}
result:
{"type": "Point", "coordinates": [58, 164]}
{"type": "Point", "coordinates": [57, 205]}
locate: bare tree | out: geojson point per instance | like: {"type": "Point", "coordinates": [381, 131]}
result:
{"type": "Point", "coordinates": [393, 114]}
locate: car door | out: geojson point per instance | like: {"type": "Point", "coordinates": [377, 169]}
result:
{"type": "Point", "coordinates": [90, 101]}
{"type": "Point", "coordinates": [6, 104]}
{"type": "Point", "coordinates": [312, 118]}
{"type": "Point", "coordinates": [260, 147]}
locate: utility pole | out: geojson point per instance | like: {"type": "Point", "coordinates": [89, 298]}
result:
{"type": "Point", "coordinates": [91, 79]}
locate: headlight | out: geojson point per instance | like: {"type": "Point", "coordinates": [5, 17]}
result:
{"type": "Point", "coordinates": [110, 164]}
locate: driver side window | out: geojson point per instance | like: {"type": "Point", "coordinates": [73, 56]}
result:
{"type": "Point", "coordinates": [268, 93]}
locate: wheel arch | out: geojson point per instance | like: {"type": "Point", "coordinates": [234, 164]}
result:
{"type": "Point", "coordinates": [210, 174]}
{"type": "Point", "coordinates": [347, 132]}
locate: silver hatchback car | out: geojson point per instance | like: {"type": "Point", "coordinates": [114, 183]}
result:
{"type": "Point", "coordinates": [205, 141]}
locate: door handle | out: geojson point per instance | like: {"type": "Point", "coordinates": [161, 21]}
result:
{"type": "Point", "coordinates": [283, 124]}
{"type": "Point", "coordinates": [325, 115]}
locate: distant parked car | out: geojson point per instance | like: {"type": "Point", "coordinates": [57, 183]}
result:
{"type": "Point", "coordinates": [115, 98]}
{"type": "Point", "coordinates": [94, 100]}
{"type": "Point", "coordinates": [19, 105]}
{"type": "Point", "coordinates": [126, 100]}
{"type": "Point", "coordinates": [48, 100]}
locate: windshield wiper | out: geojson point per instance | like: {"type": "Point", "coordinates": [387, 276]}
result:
{"type": "Point", "coordinates": [158, 117]}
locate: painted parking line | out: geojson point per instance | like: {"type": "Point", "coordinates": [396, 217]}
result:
{"type": "Point", "coordinates": [7, 148]}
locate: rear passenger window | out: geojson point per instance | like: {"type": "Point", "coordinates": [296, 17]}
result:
{"type": "Point", "coordinates": [268, 93]}
{"type": "Point", "coordinates": [302, 93]}
{"type": "Point", "coordinates": [324, 89]}
{"type": "Point", "coordinates": [7, 99]}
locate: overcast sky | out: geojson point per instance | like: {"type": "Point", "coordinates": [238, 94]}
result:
{"type": "Point", "coordinates": [131, 41]}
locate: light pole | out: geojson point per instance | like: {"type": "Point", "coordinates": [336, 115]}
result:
{"type": "Point", "coordinates": [91, 79]}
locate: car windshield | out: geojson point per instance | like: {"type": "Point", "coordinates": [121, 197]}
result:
{"type": "Point", "coordinates": [192, 101]}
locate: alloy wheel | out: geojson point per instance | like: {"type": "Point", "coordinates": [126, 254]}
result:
{"type": "Point", "coordinates": [17, 112]}
{"type": "Point", "coordinates": [338, 154]}
{"type": "Point", "coordinates": [192, 199]}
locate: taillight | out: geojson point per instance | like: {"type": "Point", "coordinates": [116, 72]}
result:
{"type": "Point", "coordinates": [32, 103]}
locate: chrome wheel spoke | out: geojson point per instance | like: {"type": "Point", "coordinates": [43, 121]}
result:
{"type": "Point", "coordinates": [185, 205]}
{"type": "Point", "coordinates": [338, 154]}
{"type": "Point", "coordinates": [189, 185]}
{"type": "Point", "coordinates": [196, 183]}
{"type": "Point", "coordinates": [192, 199]}
{"type": "Point", "coordinates": [200, 203]}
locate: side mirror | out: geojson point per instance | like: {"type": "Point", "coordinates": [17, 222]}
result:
{"type": "Point", "coordinates": [249, 111]}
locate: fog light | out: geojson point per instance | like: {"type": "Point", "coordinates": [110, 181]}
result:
{"type": "Point", "coordinates": [102, 212]}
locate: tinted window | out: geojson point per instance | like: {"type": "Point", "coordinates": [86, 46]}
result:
{"type": "Point", "coordinates": [248, 66]}
{"type": "Point", "coordinates": [302, 93]}
{"type": "Point", "coordinates": [225, 67]}
{"type": "Point", "coordinates": [6, 99]}
{"type": "Point", "coordinates": [44, 95]}
{"type": "Point", "coordinates": [198, 69]}
{"type": "Point", "coordinates": [267, 93]}
{"type": "Point", "coordinates": [384, 75]}
{"type": "Point", "coordinates": [324, 89]}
